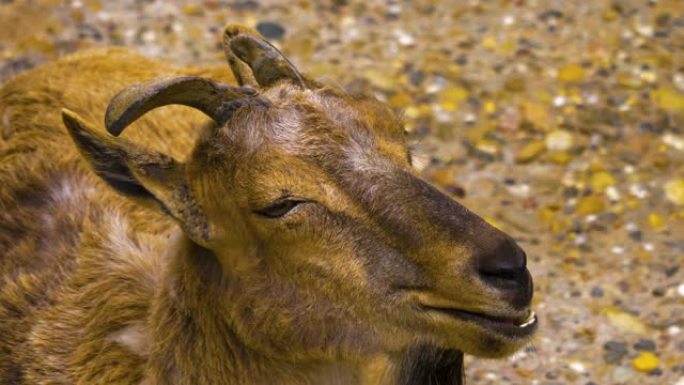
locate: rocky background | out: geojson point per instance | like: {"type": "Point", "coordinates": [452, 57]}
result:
{"type": "Point", "coordinates": [560, 121]}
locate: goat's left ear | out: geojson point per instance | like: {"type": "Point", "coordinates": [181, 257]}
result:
{"type": "Point", "coordinates": [144, 175]}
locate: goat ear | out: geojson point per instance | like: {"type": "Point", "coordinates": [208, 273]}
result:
{"type": "Point", "coordinates": [141, 174]}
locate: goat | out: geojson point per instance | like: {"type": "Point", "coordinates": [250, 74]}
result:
{"type": "Point", "coordinates": [274, 233]}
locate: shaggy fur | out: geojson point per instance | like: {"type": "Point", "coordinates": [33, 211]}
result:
{"type": "Point", "coordinates": [147, 259]}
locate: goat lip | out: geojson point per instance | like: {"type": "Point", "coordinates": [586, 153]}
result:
{"type": "Point", "coordinates": [510, 327]}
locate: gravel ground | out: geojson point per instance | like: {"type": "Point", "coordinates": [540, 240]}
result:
{"type": "Point", "coordinates": [560, 121]}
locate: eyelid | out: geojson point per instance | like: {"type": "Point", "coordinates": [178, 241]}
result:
{"type": "Point", "coordinates": [273, 206]}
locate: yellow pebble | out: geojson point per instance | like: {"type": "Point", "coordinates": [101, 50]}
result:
{"type": "Point", "coordinates": [589, 205]}
{"type": "Point", "coordinates": [669, 99]}
{"type": "Point", "coordinates": [531, 151]}
{"type": "Point", "coordinates": [193, 10]}
{"type": "Point", "coordinates": [571, 73]}
{"type": "Point", "coordinates": [449, 105]}
{"type": "Point", "coordinates": [456, 94]}
{"type": "Point", "coordinates": [674, 191]}
{"type": "Point", "coordinates": [656, 221]}
{"type": "Point", "coordinates": [560, 158]}
{"type": "Point", "coordinates": [411, 112]}
{"type": "Point", "coordinates": [400, 100]}
{"type": "Point", "coordinates": [537, 114]}
{"type": "Point", "coordinates": [601, 180]}
{"type": "Point", "coordinates": [489, 42]}
{"type": "Point", "coordinates": [490, 107]}
{"type": "Point", "coordinates": [646, 362]}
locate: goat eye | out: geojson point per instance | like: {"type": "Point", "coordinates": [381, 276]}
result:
{"type": "Point", "coordinates": [279, 209]}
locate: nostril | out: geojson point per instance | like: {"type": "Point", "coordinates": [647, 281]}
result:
{"type": "Point", "coordinates": [505, 279]}
{"type": "Point", "coordinates": [507, 260]}
{"type": "Point", "coordinates": [511, 275]}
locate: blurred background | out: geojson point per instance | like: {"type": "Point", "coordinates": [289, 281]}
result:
{"type": "Point", "coordinates": [560, 122]}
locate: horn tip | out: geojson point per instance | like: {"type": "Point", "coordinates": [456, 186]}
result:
{"type": "Point", "coordinates": [112, 123]}
{"type": "Point", "coordinates": [233, 30]}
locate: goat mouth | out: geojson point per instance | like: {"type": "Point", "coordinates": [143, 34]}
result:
{"type": "Point", "coordinates": [509, 327]}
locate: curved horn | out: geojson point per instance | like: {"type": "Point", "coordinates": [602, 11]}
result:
{"type": "Point", "coordinates": [247, 49]}
{"type": "Point", "coordinates": [214, 99]}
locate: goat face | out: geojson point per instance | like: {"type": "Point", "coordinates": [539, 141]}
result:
{"type": "Point", "coordinates": [306, 197]}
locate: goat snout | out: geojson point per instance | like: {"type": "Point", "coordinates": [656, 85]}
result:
{"type": "Point", "coordinates": [504, 267]}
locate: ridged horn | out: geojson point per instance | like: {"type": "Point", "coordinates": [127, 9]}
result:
{"type": "Point", "coordinates": [246, 49]}
{"type": "Point", "coordinates": [214, 99]}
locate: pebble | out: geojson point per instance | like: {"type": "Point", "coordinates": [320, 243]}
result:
{"type": "Point", "coordinates": [559, 140]}
{"type": "Point", "coordinates": [597, 292]}
{"type": "Point", "coordinates": [601, 180]}
{"type": "Point", "coordinates": [645, 345]}
{"type": "Point", "coordinates": [571, 73]}
{"type": "Point", "coordinates": [589, 205]}
{"type": "Point", "coordinates": [622, 374]}
{"type": "Point", "coordinates": [674, 191]}
{"type": "Point", "coordinates": [193, 10]}
{"type": "Point", "coordinates": [614, 351]}
{"type": "Point", "coordinates": [530, 151]}
{"type": "Point", "coordinates": [577, 366]}
{"type": "Point", "coordinates": [625, 322]}
{"type": "Point", "coordinates": [646, 362]}
{"type": "Point", "coordinates": [271, 30]}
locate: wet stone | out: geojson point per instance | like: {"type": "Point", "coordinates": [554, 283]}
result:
{"type": "Point", "coordinates": [614, 351]}
{"type": "Point", "coordinates": [597, 292]}
{"type": "Point", "coordinates": [645, 345]}
{"type": "Point", "coordinates": [271, 30]}
{"type": "Point", "coordinates": [416, 77]}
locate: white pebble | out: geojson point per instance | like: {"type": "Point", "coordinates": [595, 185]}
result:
{"type": "Point", "coordinates": [521, 190]}
{"type": "Point", "coordinates": [149, 36]}
{"type": "Point", "coordinates": [403, 37]}
{"type": "Point", "coordinates": [559, 140]}
{"type": "Point", "coordinates": [612, 193]}
{"type": "Point", "coordinates": [678, 80]}
{"type": "Point", "coordinates": [680, 289]}
{"type": "Point", "coordinates": [638, 191]}
{"type": "Point", "coordinates": [470, 118]}
{"type": "Point", "coordinates": [592, 99]}
{"type": "Point", "coordinates": [559, 101]}
{"type": "Point", "coordinates": [578, 367]}
{"type": "Point", "coordinates": [674, 141]}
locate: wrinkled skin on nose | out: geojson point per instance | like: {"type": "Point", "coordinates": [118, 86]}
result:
{"type": "Point", "coordinates": [418, 217]}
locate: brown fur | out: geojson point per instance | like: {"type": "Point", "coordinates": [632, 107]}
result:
{"type": "Point", "coordinates": [192, 287]}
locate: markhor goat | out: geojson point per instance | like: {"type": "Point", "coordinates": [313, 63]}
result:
{"type": "Point", "coordinates": [280, 236]}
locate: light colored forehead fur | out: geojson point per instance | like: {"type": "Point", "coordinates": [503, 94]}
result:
{"type": "Point", "coordinates": [306, 123]}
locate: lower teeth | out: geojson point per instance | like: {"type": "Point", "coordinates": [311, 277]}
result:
{"type": "Point", "coordinates": [530, 320]}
